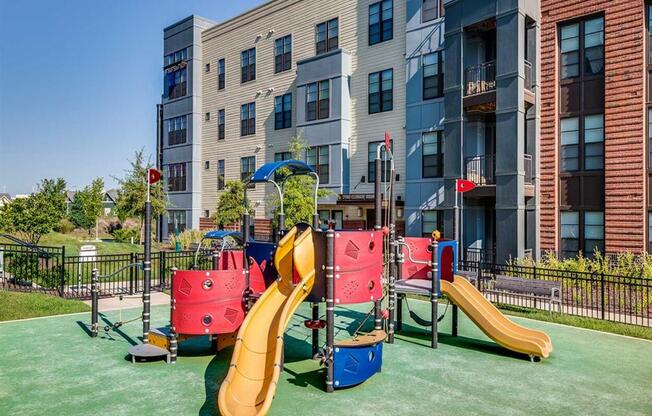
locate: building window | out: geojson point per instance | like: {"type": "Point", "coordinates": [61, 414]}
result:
{"type": "Point", "coordinates": [279, 157]}
{"type": "Point", "coordinates": [207, 116]}
{"type": "Point", "coordinates": [207, 165]}
{"type": "Point", "coordinates": [649, 232]}
{"type": "Point", "coordinates": [248, 119]}
{"type": "Point", "coordinates": [283, 54]}
{"type": "Point", "coordinates": [327, 36]}
{"type": "Point", "coordinates": [381, 22]}
{"type": "Point", "coordinates": [649, 136]}
{"type": "Point", "coordinates": [582, 48]}
{"type": "Point", "coordinates": [594, 142]}
{"type": "Point", "coordinates": [570, 149]}
{"type": "Point", "coordinates": [585, 144]}
{"type": "Point", "coordinates": [247, 169]}
{"type": "Point", "coordinates": [175, 57]}
{"type": "Point", "coordinates": [593, 232]}
{"type": "Point", "coordinates": [326, 216]}
{"type": "Point", "coordinates": [248, 65]}
{"type": "Point", "coordinates": [221, 127]}
{"type": "Point", "coordinates": [431, 220]}
{"type": "Point", "coordinates": [381, 97]}
{"type": "Point", "coordinates": [207, 214]}
{"type": "Point", "coordinates": [221, 74]}
{"type": "Point", "coordinates": [177, 130]}
{"type": "Point", "coordinates": [208, 67]}
{"type": "Point", "coordinates": [431, 10]}
{"type": "Point", "coordinates": [570, 233]}
{"type": "Point", "coordinates": [177, 177]}
{"type": "Point", "coordinates": [175, 84]}
{"type": "Point", "coordinates": [176, 221]}
{"type": "Point", "coordinates": [318, 100]}
{"type": "Point", "coordinates": [220, 174]}
{"type": "Point", "coordinates": [433, 75]}
{"type": "Point", "coordinates": [432, 158]}
{"type": "Point", "coordinates": [371, 162]}
{"type": "Point", "coordinates": [317, 157]}
{"type": "Point", "coordinates": [283, 111]}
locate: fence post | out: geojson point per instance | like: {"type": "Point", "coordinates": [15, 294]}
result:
{"type": "Point", "coordinates": [94, 303]}
{"type": "Point", "coordinates": [63, 271]}
{"type": "Point", "coordinates": [161, 268]}
{"type": "Point", "coordinates": [602, 293]}
{"type": "Point", "coordinates": [132, 260]}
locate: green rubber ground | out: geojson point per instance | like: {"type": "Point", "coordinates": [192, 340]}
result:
{"type": "Point", "coordinates": [51, 367]}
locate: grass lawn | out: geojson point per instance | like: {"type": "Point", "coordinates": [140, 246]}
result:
{"type": "Point", "coordinates": [635, 331]}
{"type": "Point", "coordinates": [73, 242]}
{"type": "Point", "coordinates": [51, 366]}
{"type": "Point", "coordinates": [15, 305]}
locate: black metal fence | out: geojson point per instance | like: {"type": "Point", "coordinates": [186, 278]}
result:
{"type": "Point", "coordinates": [623, 299]}
{"type": "Point", "coordinates": [49, 270]}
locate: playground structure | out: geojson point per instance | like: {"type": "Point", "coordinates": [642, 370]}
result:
{"type": "Point", "coordinates": [249, 296]}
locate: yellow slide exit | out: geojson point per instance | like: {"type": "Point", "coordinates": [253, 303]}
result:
{"type": "Point", "coordinates": [257, 356]}
{"type": "Point", "coordinates": [493, 323]}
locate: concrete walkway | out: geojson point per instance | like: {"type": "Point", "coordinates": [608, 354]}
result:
{"type": "Point", "coordinates": [134, 301]}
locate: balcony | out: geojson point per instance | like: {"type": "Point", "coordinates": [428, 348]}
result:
{"type": "Point", "coordinates": [481, 170]}
{"type": "Point", "coordinates": [480, 87]}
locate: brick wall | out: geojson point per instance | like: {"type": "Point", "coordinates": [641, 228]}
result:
{"type": "Point", "coordinates": [625, 149]}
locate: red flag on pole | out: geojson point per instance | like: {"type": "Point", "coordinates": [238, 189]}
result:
{"type": "Point", "coordinates": [462, 185]}
{"type": "Point", "coordinates": [387, 141]}
{"type": "Point", "coordinates": [153, 176]}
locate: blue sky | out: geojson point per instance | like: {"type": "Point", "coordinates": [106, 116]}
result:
{"type": "Point", "coordinates": [79, 83]}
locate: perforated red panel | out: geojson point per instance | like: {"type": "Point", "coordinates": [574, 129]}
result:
{"type": "Point", "coordinates": [419, 251]}
{"type": "Point", "coordinates": [210, 302]}
{"type": "Point", "coordinates": [358, 266]}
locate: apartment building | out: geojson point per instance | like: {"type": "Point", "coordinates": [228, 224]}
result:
{"type": "Point", "coordinates": [459, 100]}
{"type": "Point", "coordinates": [595, 126]}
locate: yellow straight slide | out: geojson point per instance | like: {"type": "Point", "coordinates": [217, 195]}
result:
{"type": "Point", "coordinates": [493, 323]}
{"type": "Point", "coordinates": [257, 356]}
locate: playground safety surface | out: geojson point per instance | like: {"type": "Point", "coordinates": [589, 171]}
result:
{"type": "Point", "coordinates": [51, 366]}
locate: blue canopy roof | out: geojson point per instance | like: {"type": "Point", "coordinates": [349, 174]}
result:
{"type": "Point", "coordinates": [266, 172]}
{"type": "Point", "coordinates": [221, 234]}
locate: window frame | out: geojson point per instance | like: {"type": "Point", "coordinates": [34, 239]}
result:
{"type": "Point", "coordinates": [247, 67]}
{"type": "Point", "coordinates": [371, 162]}
{"type": "Point", "coordinates": [250, 162]}
{"type": "Point", "coordinates": [174, 214]}
{"type": "Point", "coordinates": [581, 240]}
{"type": "Point", "coordinates": [320, 107]}
{"type": "Point", "coordinates": [283, 61]}
{"type": "Point", "coordinates": [582, 145]}
{"type": "Point", "coordinates": [439, 10]}
{"type": "Point", "coordinates": [581, 60]}
{"type": "Point", "coordinates": [221, 74]}
{"type": "Point", "coordinates": [322, 169]}
{"type": "Point", "coordinates": [221, 174]}
{"type": "Point", "coordinates": [221, 124]}
{"type": "Point", "coordinates": [438, 156]}
{"type": "Point", "coordinates": [283, 118]}
{"type": "Point", "coordinates": [176, 136]}
{"type": "Point", "coordinates": [330, 43]}
{"type": "Point", "coordinates": [438, 76]}
{"type": "Point", "coordinates": [384, 34]}
{"type": "Point", "coordinates": [247, 122]}
{"type": "Point", "coordinates": [177, 177]}
{"type": "Point", "coordinates": [382, 94]}
{"type": "Point", "coordinates": [438, 222]}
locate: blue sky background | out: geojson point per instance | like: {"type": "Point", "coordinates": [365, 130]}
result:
{"type": "Point", "coordinates": [79, 84]}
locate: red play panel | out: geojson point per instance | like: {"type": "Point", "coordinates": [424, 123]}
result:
{"type": "Point", "coordinates": [358, 266]}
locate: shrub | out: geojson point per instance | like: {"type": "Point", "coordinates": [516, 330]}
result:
{"type": "Point", "coordinates": [113, 226]}
{"type": "Point", "coordinates": [125, 235]}
{"type": "Point", "coordinates": [186, 239]}
{"type": "Point", "coordinates": [65, 226]}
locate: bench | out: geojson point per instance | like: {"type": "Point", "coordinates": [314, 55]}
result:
{"type": "Point", "coordinates": [535, 289]}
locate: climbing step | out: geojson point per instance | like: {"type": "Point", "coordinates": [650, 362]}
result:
{"type": "Point", "coordinates": [146, 352]}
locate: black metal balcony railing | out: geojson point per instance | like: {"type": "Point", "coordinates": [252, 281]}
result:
{"type": "Point", "coordinates": [528, 76]}
{"type": "Point", "coordinates": [481, 169]}
{"type": "Point", "coordinates": [480, 78]}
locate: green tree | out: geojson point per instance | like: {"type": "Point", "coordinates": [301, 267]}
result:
{"type": "Point", "coordinates": [32, 217]}
{"type": "Point", "coordinates": [132, 194]}
{"type": "Point", "coordinates": [230, 205]}
{"type": "Point", "coordinates": [86, 207]}
{"type": "Point", "coordinates": [298, 192]}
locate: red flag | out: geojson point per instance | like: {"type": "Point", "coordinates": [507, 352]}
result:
{"type": "Point", "coordinates": [153, 176]}
{"type": "Point", "coordinates": [462, 185]}
{"type": "Point", "coordinates": [387, 141]}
